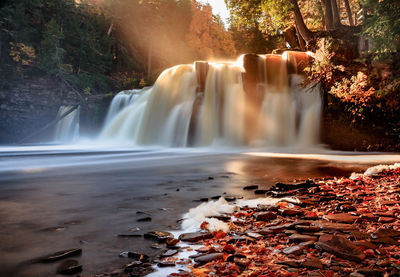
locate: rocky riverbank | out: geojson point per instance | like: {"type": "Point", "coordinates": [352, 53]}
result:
{"type": "Point", "coordinates": [323, 227]}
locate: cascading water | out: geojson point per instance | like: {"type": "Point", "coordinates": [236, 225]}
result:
{"type": "Point", "coordinates": [259, 100]}
{"type": "Point", "coordinates": [120, 101]}
{"type": "Point", "coordinates": [67, 128]}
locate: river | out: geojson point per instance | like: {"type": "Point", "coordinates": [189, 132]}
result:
{"type": "Point", "coordinates": [56, 197]}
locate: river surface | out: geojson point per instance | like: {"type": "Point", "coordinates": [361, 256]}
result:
{"type": "Point", "coordinates": [59, 197]}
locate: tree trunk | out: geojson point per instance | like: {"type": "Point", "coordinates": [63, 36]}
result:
{"type": "Point", "coordinates": [304, 32]}
{"type": "Point", "coordinates": [328, 14]}
{"type": "Point", "coordinates": [335, 14]}
{"type": "Point", "coordinates": [290, 36]}
{"type": "Point", "coordinates": [302, 42]}
{"type": "Point", "coordinates": [348, 11]}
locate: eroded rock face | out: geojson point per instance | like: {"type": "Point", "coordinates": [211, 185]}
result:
{"type": "Point", "coordinates": [340, 247]}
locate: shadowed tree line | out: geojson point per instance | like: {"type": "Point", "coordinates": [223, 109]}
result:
{"type": "Point", "coordinates": [97, 45]}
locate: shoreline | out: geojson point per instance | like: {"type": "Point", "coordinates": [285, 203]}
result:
{"type": "Point", "coordinates": [327, 227]}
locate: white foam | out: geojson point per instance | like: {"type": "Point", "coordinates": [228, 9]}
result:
{"type": "Point", "coordinates": [375, 170]}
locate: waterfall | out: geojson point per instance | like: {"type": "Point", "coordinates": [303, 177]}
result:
{"type": "Point", "coordinates": [258, 100]}
{"type": "Point", "coordinates": [67, 128]}
{"type": "Point", "coordinates": [120, 101]}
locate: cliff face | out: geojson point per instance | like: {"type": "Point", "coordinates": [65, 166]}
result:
{"type": "Point", "coordinates": [29, 105]}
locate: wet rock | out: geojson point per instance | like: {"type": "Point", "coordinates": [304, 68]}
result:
{"type": "Point", "coordinates": [340, 247]}
{"type": "Point", "coordinates": [241, 239]}
{"type": "Point", "coordinates": [385, 240]}
{"type": "Point", "coordinates": [290, 212]}
{"type": "Point", "coordinates": [159, 236]}
{"type": "Point", "coordinates": [144, 219]}
{"type": "Point", "coordinates": [172, 242]}
{"type": "Point", "coordinates": [343, 218]}
{"type": "Point", "coordinates": [59, 255]}
{"type": "Point", "coordinates": [265, 216]}
{"type": "Point", "coordinates": [297, 249]}
{"type": "Point", "coordinates": [302, 238]}
{"type": "Point", "coordinates": [230, 198]}
{"type": "Point", "coordinates": [254, 235]}
{"type": "Point", "coordinates": [208, 258]}
{"type": "Point", "coordinates": [210, 178]}
{"type": "Point", "coordinates": [251, 187]}
{"type": "Point", "coordinates": [216, 197]}
{"type": "Point", "coordinates": [331, 226]}
{"type": "Point", "coordinates": [386, 220]}
{"type": "Point", "coordinates": [169, 253]}
{"type": "Point", "coordinates": [132, 265]}
{"type": "Point", "coordinates": [196, 236]}
{"type": "Point", "coordinates": [135, 256]}
{"type": "Point", "coordinates": [223, 218]}
{"type": "Point", "coordinates": [166, 264]}
{"type": "Point", "coordinates": [287, 187]}
{"type": "Point", "coordinates": [384, 232]}
{"type": "Point", "coordinates": [69, 267]}
{"type": "Point", "coordinates": [313, 263]}
{"type": "Point", "coordinates": [260, 191]}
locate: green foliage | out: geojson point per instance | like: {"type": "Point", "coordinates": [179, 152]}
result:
{"type": "Point", "coordinates": [51, 58]}
{"type": "Point", "coordinates": [382, 26]}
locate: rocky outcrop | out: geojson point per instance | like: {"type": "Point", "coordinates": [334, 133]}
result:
{"type": "Point", "coordinates": [28, 105]}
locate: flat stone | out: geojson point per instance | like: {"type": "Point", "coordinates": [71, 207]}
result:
{"type": "Point", "coordinates": [242, 239]}
{"type": "Point", "coordinates": [133, 264]}
{"type": "Point", "coordinates": [68, 267]}
{"type": "Point", "coordinates": [159, 236]}
{"type": "Point", "coordinates": [291, 263]}
{"type": "Point", "coordinates": [386, 220]}
{"type": "Point", "coordinates": [135, 256]}
{"type": "Point", "coordinates": [271, 208]}
{"type": "Point", "coordinates": [358, 235]}
{"type": "Point", "coordinates": [287, 187]}
{"type": "Point", "coordinates": [332, 226]}
{"type": "Point", "coordinates": [144, 219]}
{"type": "Point", "coordinates": [208, 258]}
{"type": "Point", "coordinates": [305, 228]}
{"type": "Point", "coordinates": [169, 253]}
{"type": "Point", "coordinates": [59, 255]}
{"type": "Point", "coordinates": [385, 232]}
{"type": "Point", "coordinates": [342, 217]}
{"type": "Point", "coordinates": [254, 235]}
{"type": "Point", "coordinates": [313, 263]}
{"type": "Point", "coordinates": [290, 212]}
{"type": "Point", "coordinates": [260, 191]}
{"type": "Point", "coordinates": [251, 187]}
{"type": "Point", "coordinates": [196, 236]}
{"type": "Point", "coordinates": [172, 242]}
{"type": "Point", "coordinates": [302, 238]}
{"type": "Point", "coordinates": [265, 216]}
{"type": "Point", "coordinates": [340, 247]}
{"type": "Point", "coordinates": [385, 240]}
{"type": "Point", "coordinates": [166, 264]}
{"type": "Point", "coordinates": [297, 249]}
{"type": "Point", "coordinates": [365, 244]}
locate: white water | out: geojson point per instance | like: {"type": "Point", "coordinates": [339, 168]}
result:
{"type": "Point", "coordinates": [67, 129]}
{"type": "Point", "coordinates": [288, 114]}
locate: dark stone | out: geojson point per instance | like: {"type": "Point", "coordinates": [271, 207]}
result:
{"type": "Point", "coordinates": [260, 191]}
{"type": "Point", "coordinates": [291, 263]}
{"type": "Point", "coordinates": [265, 216]}
{"type": "Point", "coordinates": [384, 232]}
{"type": "Point", "coordinates": [343, 218]}
{"type": "Point", "coordinates": [166, 264]}
{"type": "Point", "coordinates": [223, 218]}
{"type": "Point", "coordinates": [385, 240]}
{"type": "Point", "coordinates": [59, 255]}
{"type": "Point", "coordinates": [252, 187]}
{"type": "Point", "coordinates": [169, 253]}
{"type": "Point", "coordinates": [302, 238]}
{"type": "Point", "coordinates": [172, 242]}
{"type": "Point", "coordinates": [290, 212]}
{"type": "Point", "coordinates": [68, 267]}
{"type": "Point", "coordinates": [210, 178]}
{"type": "Point", "coordinates": [254, 235]}
{"type": "Point", "coordinates": [340, 247]}
{"type": "Point", "coordinates": [144, 219]}
{"type": "Point", "coordinates": [331, 226]}
{"type": "Point", "coordinates": [313, 263]}
{"type": "Point", "coordinates": [208, 258]}
{"type": "Point", "coordinates": [230, 198]}
{"type": "Point", "coordinates": [135, 256]}
{"type": "Point", "coordinates": [196, 236]}
{"type": "Point", "coordinates": [304, 228]}
{"type": "Point", "coordinates": [159, 236]}
{"type": "Point", "coordinates": [297, 249]}
{"type": "Point", "coordinates": [271, 208]}
{"type": "Point", "coordinates": [241, 239]}
{"type": "Point", "coordinates": [287, 187]}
